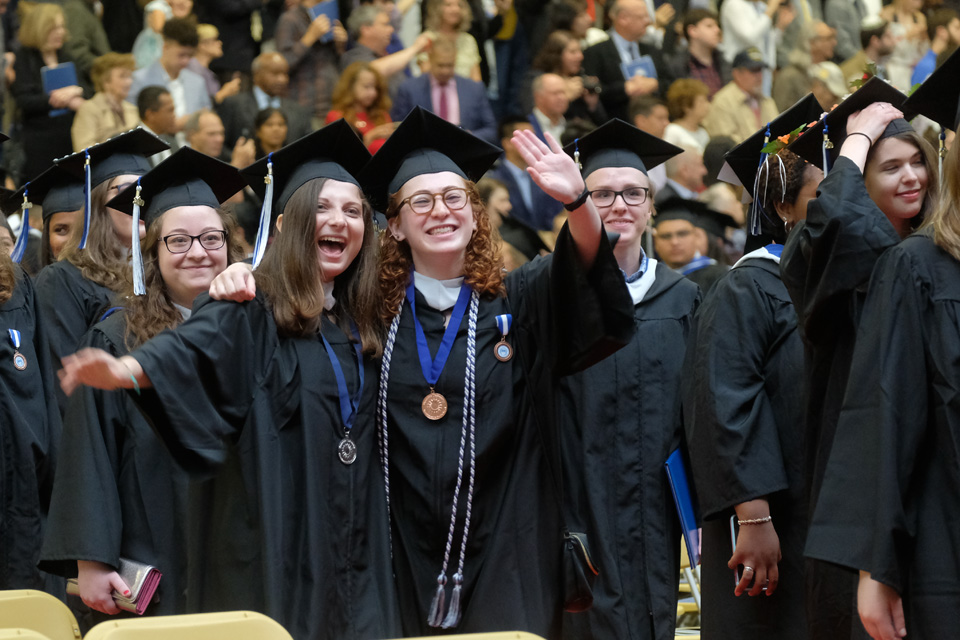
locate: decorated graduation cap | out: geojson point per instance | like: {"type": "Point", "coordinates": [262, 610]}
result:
{"type": "Point", "coordinates": [333, 152]}
{"type": "Point", "coordinates": [745, 164]}
{"type": "Point", "coordinates": [56, 190]}
{"type": "Point", "coordinates": [425, 143]}
{"type": "Point", "coordinates": [618, 144]}
{"type": "Point", "coordinates": [821, 143]}
{"type": "Point", "coordinates": [123, 154]}
{"type": "Point", "coordinates": [187, 178]}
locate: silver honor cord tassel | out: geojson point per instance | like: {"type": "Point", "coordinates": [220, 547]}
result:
{"type": "Point", "coordinates": [20, 248]}
{"type": "Point", "coordinates": [86, 200]}
{"type": "Point", "coordinates": [266, 214]}
{"type": "Point", "coordinates": [139, 288]}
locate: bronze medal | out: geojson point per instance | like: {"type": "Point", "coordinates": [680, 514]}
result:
{"type": "Point", "coordinates": [347, 451]}
{"type": "Point", "coordinates": [434, 405]}
{"type": "Point", "coordinates": [19, 361]}
{"type": "Point", "coordinates": [503, 350]}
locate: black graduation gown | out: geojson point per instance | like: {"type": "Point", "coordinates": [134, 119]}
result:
{"type": "Point", "coordinates": [118, 493]}
{"type": "Point", "coordinates": [29, 436]}
{"type": "Point", "coordinates": [282, 527]}
{"type": "Point", "coordinates": [826, 266]}
{"type": "Point", "coordinates": [891, 493]}
{"type": "Point", "coordinates": [620, 420]}
{"type": "Point", "coordinates": [743, 404]}
{"type": "Point", "coordinates": [707, 277]}
{"type": "Point", "coordinates": [564, 319]}
{"type": "Point", "coordinates": [70, 305]}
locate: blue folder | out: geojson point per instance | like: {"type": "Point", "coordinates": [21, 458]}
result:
{"type": "Point", "coordinates": [642, 66]}
{"type": "Point", "coordinates": [686, 506]}
{"type": "Point", "coordinates": [330, 9]}
{"type": "Point", "coordinates": [58, 77]}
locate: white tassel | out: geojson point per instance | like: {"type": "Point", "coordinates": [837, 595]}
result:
{"type": "Point", "coordinates": [139, 288]}
{"type": "Point", "coordinates": [86, 201]}
{"type": "Point", "coordinates": [20, 248]}
{"type": "Point", "coordinates": [266, 214]}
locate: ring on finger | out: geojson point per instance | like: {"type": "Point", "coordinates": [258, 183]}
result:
{"type": "Point", "coordinates": [746, 568]}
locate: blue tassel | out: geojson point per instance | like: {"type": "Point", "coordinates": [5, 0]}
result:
{"type": "Point", "coordinates": [266, 214]}
{"type": "Point", "coordinates": [139, 288]}
{"type": "Point", "coordinates": [435, 615]}
{"type": "Point", "coordinates": [86, 200]}
{"type": "Point", "coordinates": [20, 248]}
{"type": "Point", "coordinates": [453, 615]}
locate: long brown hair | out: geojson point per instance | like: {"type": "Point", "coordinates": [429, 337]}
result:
{"type": "Point", "coordinates": [482, 262]}
{"type": "Point", "coordinates": [944, 220]}
{"type": "Point", "coordinates": [151, 313]}
{"type": "Point", "coordinates": [931, 194]}
{"type": "Point", "coordinates": [291, 278]}
{"type": "Point", "coordinates": [550, 57]}
{"type": "Point", "coordinates": [343, 101]}
{"type": "Point", "coordinates": [104, 259]}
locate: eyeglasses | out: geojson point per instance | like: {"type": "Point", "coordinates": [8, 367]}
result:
{"type": "Point", "coordinates": [631, 196]}
{"type": "Point", "coordinates": [209, 240]}
{"type": "Point", "coordinates": [423, 202]}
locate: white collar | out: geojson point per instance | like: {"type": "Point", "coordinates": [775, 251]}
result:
{"type": "Point", "coordinates": [760, 253]}
{"type": "Point", "coordinates": [438, 294]}
{"type": "Point", "coordinates": [328, 300]}
{"type": "Point", "coordinates": [184, 312]}
{"type": "Point", "coordinates": [641, 286]}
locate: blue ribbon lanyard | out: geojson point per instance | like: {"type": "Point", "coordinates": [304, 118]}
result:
{"type": "Point", "coordinates": [433, 367]}
{"type": "Point", "coordinates": [14, 338]}
{"type": "Point", "coordinates": [348, 404]}
{"type": "Point", "coordinates": [503, 323]}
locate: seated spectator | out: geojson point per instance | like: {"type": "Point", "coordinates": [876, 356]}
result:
{"type": "Point", "coordinates": [87, 40]}
{"type": "Point", "coordinates": [650, 115]}
{"type": "Point", "coordinates": [107, 113]}
{"type": "Point", "coordinates": [630, 20]}
{"type": "Point", "coordinates": [450, 19]}
{"type": "Point", "coordinates": [155, 107]}
{"type": "Point", "coordinates": [312, 58]}
{"type": "Point", "coordinates": [817, 43]}
{"type": "Point", "coordinates": [702, 59]}
{"type": "Point", "coordinates": [550, 103]}
{"type": "Point", "coordinates": [210, 48]}
{"type": "Point", "coordinates": [269, 131]}
{"type": "Point", "coordinates": [361, 99]}
{"type": "Point", "coordinates": [846, 17]}
{"type": "Point", "coordinates": [561, 54]}
{"type": "Point", "coordinates": [204, 132]}
{"type": "Point", "coordinates": [878, 42]}
{"type": "Point", "coordinates": [908, 24]}
{"type": "Point", "coordinates": [943, 29]}
{"type": "Point", "coordinates": [531, 207]}
{"type": "Point", "coordinates": [756, 24]}
{"type": "Point", "coordinates": [188, 90]}
{"type": "Point", "coordinates": [688, 104]}
{"type": "Point", "coordinates": [149, 43]}
{"type": "Point", "coordinates": [740, 108]}
{"type": "Point", "coordinates": [454, 98]}
{"type": "Point", "coordinates": [685, 173]}
{"type": "Point", "coordinates": [827, 84]}
{"type": "Point", "coordinates": [371, 31]}
{"type": "Point", "coordinates": [45, 118]}
{"type": "Point", "coordinates": [270, 83]}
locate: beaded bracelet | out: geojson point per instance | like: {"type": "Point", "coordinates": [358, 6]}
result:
{"type": "Point", "coordinates": [756, 521]}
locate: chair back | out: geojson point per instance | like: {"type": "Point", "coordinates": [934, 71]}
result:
{"type": "Point", "coordinates": [228, 625]}
{"type": "Point", "coordinates": [40, 612]}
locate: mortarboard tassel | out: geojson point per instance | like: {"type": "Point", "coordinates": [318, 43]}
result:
{"type": "Point", "coordinates": [827, 145]}
{"type": "Point", "coordinates": [86, 200]}
{"type": "Point", "coordinates": [139, 288]}
{"type": "Point", "coordinates": [435, 615]}
{"type": "Point", "coordinates": [266, 214]}
{"type": "Point", "coordinates": [576, 153]}
{"type": "Point", "coordinates": [20, 248]}
{"type": "Point", "coordinates": [941, 153]}
{"type": "Point", "coordinates": [755, 207]}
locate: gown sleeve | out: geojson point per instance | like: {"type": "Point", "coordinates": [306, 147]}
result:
{"type": "Point", "coordinates": [730, 422]}
{"type": "Point", "coordinates": [834, 251]}
{"type": "Point", "coordinates": [204, 377]}
{"type": "Point", "coordinates": [863, 519]}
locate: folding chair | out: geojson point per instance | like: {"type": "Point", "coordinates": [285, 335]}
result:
{"type": "Point", "coordinates": [499, 635]}
{"type": "Point", "coordinates": [228, 625]}
{"type": "Point", "coordinates": [39, 612]}
{"type": "Point", "coordinates": [21, 634]}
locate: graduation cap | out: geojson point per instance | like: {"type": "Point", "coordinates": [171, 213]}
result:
{"type": "Point", "coordinates": [55, 189]}
{"type": "Point", "coordinates": [123, 154]}
{"type": "Point", "coordinates": [187, 178]}
{"type": "Point", "coordinates": [938, 97]}
{"type": "Point", "coordinates": [333, 152]}
{"type": "Point", "coordinates": [821, 143]}
{"type": "Point", "coordinates": [699, 214]}
{"type": "Point", "coordinates": [618, 144]}
{"type": "Point", "coordinates": [425, 143]}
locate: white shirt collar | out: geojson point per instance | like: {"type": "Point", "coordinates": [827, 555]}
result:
{"type": "Point", "coordinates": [328, 300]}
{"type": "Point", "coordinates": [439, 294]}
{"type": "Point", "coordinates": [185, 313]}
{"type": "Point", "coordinates": [640, 287]}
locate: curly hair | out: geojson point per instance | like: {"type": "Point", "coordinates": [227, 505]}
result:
{"type": "Point", "coordinates": [104, 260]}
{"type": "Point", "coordinates": [682, 95]}
{"type": "Point", "coordinates": [151, 313]}
{"type": "Point", "coordinates": [290, 275]}
{"type": "Point", "coordinates": [550, 57]}
{"type": "Point", "coordinates": [771, 189]}
{"type": "Point", "coordinates": [343, 101]}
{"type": "Point", "coordinates": [482, 262]}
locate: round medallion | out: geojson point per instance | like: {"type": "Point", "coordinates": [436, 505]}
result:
{"type": "Point", "coordinates": [19, 361]}
{"type": "Point", "coordinates": [347, 451]}
{"type": "Point", "coordinates": [434, 406]}
{"type": "Point", "coordinates": [503, 351]}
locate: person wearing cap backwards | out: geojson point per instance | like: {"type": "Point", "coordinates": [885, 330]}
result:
{"type": "Point", "coordinates": [882, 183]}
{"type": "Point", "coordinates": [743, 409]}
{"type": "Point", "coordinates": [273, 401]}
{"type": "Point", "coordinates": [119, 494]}
{"type": "Point", "coordinates": [92, 268]}
{"type": "Point", "coordinates": [890, 489]}
{"type": "Point", "coordinates": [619, 420]}
{"type": "Point", "coordinates": [740, 108]}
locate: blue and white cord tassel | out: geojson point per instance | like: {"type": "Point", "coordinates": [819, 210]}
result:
{"type": "Point", "coordinates": [20, 248]}
{"type": "Point", "coordinates": [139, 288]}
{"type": "Point", "coordinates": [86, 200]}
{"type": "Point", "coordinates": [266, 214]}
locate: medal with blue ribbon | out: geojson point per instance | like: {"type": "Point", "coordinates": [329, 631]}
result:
{"type": "Point", "coordinates": [349, 405]}
{"type": "Point", "coordinates": [434, 405]}
{"type": "Point", "coordinates": [503, 350]}
{"type": "Point", "coordinates": [18, 360]}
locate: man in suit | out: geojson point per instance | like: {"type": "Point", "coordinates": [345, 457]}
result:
{"type": "Point", "coordinates": [630, 21]}
{"type": "Point", "coordinates": [685, 173]}
{"type": "Point", "coordinates": [270, 79]}
{"type": "Point", "coordinates": [157, 116]}
{"type": "Point", "coordinates": [530, 205]}
{"type": "Point", "coordinates": [188, 90]}
{"type": "Point", "coordinates": [454, 98]}
{"type": "Point", "coordinates": [550, 102]}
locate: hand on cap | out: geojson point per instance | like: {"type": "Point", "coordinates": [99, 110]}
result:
{"type": "Point", "coordinates": [872, 120]}
{"type": "Point", "coordinates": [554, 171]}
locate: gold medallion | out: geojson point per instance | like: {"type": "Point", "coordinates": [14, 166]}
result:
{"type": "Point", "coordinates": [434, 405]}
{"type": "Point", "coordinates": [21, 363]}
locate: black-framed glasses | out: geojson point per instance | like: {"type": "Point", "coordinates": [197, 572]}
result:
{"type": "Point", "coordinates": [631, 196]}
{"type": "Point", "coordinates": [209, 240]}
{"type": "Point", "coordinates": [422, 202]}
